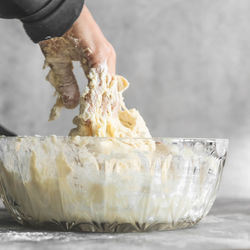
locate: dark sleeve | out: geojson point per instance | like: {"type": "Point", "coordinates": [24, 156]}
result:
{"type": "Point", "coordinates": [42, 19]}
{"type": "Point", "coordinates": [4, 131]}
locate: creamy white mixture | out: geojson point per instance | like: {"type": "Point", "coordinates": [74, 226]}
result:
{"type": "Point", "coordinates": [103, 112]}
{"type": "Point", "coordinates": [86, 179]}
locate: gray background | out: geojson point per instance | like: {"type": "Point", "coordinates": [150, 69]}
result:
{"type": "Point", "coordinates": [187, 61]}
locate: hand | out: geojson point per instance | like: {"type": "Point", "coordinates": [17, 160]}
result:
{"type": "Point", "coordinates": [84, 42]}
{"type": "Point", "coordinates": [90, 36]}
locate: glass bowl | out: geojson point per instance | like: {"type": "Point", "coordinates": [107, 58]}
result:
{"type": "Point", "coordinates": [93, 184]}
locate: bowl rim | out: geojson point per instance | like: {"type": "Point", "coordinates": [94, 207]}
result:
{"type": "Point", "coordinates": [225, 140]}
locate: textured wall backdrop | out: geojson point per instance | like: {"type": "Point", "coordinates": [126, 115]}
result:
{"type": "Point", "coordinates": [188, 62]}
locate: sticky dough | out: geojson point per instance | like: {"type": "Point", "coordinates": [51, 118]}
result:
{"type": "Point", "coordinates": [102, 109]}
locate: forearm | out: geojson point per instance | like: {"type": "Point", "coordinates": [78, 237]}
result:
{"type": "Point", "coordinates": [43, 19]}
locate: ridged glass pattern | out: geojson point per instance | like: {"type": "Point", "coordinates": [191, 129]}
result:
{"type": "Point", "coordinates": [94, 184]}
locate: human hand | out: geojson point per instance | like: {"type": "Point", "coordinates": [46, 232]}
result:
{"type": "Point", "coordinates": [84, 42]}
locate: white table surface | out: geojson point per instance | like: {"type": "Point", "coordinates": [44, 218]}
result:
{"type": "Point", "coordinates": [226, 227]}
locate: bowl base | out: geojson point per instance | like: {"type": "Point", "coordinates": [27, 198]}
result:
{"type": "Point", "coordinates": [94, 227]}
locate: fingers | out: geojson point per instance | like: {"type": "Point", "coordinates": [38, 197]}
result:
{"type": "Point", "coordinates": [101, 55]}
{"type": "Point", "coordinates": [61, 75]}
{"type": "Point", "coordinates": [64, 81]}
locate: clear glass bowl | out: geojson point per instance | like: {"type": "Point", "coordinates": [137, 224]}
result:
{"type": "Point", "coordinates": [95, 184]}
